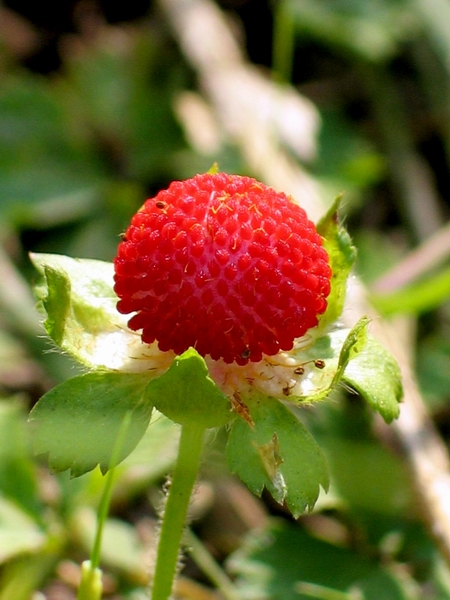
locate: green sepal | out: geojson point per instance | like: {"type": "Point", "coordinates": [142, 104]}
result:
{"type": "Point", "coordinates": [342, 255]}
{"type": "Point", "coordinates": [354, 345]}
{"type": "Point", "coordinates": [79, 303]}
{"type": "Point", "coordinates": [335, 350]}
{"type": "Point", "coordinates": [186, 393]}
{"type": "Point", "coordinates": [77, 422]}
{"type": "Point", "coordinates": [56, 304]}
{"type": "Point", "coordinates": [351, 357]}
{"type": "Point", "coordinates": [272, 449]}
{"type": "Point", "coordinates": [376, 375]}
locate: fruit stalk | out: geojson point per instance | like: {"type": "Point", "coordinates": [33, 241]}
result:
{"type": "Point", "coordinates": [174, 518]}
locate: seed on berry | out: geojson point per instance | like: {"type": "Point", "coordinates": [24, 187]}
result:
{"type": "Point", "coordinates": [224, 264]}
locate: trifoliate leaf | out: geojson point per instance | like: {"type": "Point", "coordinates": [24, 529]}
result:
{"type": "Point", "coordinates": [342, 255]}
{"type": "Point", "coordinates": [272, 449]}
{"type": "Point", "coordinates": [78, 421]}
{"type": "Point", "coordinates": [187, 394]}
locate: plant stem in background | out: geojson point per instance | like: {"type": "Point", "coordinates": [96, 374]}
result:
{"type": "Point", "coordinates": [283, 43]}
{"type": "Point", "coordinates": [183, 480]}
{"type": "Point", "coordinates": [107, 492]}
{"type": "Point", "coordinates": [209, 566]}
{"type": "Point", "coordinates": [91, 587]}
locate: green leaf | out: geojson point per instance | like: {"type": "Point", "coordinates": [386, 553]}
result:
{"type": "Point", "coordinates": [78, 299]}
{"type": "Point", "coordinates": [354, 344]}
{"type": "Point", "coordinates": [367, 31]}
{"type": "Point", "coordinates": [375, 374]}
{"type": "Point", "coordinates": [319, 367]}
{"type": "Point", "coordinates": [18, 480]}
{"type": "Point", "coordinates": [358, 360]}
{"type": "Point", "coordinates": [275, 451]}
{"type": "Point", "coordinates": [18, 532]}
{"type": "Point", "coordinates": [187, 394]}
{"type": "Point", "coordinates": [56, 304]}
{"type": "Point", "coordinates": [285, 562]}
{"type": "Point", "coordinates": [342, 255]}
{"type": "Point", "coordinates": [81, 317]}
{"type": "Point", "coordinates": [77, 422]}
{"type": "Point", "coordinates": [48, 173]}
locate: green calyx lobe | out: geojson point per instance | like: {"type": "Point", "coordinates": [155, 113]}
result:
{"type": "Point", "coordinates": [342, 256]}
{"type": "Point", "coordinates": [277, 452]}
{"type": "Point", "coordinates": [187, 394]}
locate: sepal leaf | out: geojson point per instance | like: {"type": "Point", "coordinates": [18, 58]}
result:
{"type": "Point", "coordinates": [272, 449]}
{"type": "Point", "coordinates": [321, 365]}
{"type": "Point", "coordinates": [376, 375]}
{"type": "Point", "coordinates": [76, 423]}
{"type": "Point", "coordinates": [187, 394]}
{"type": "Point", "coordinates": [342, 255]}
{"type": "Point", "coordinates": [79, 303]}
{"type": "Point", "coordinates": [356, 359]}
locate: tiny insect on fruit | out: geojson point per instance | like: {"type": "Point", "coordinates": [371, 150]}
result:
{"type": "Point", "coordinates": [224, 264]}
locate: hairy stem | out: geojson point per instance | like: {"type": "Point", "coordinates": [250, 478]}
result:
{"type": "Point", "coordinates": [183, 480]}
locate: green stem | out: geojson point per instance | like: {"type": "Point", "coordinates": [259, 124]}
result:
{"type": "Point", "coordinates": [91, 582]}
{"type": "Point", "coordinates": [91, 587]}
{"type": "Point", "coordinates": [209, 567]}
{"type": "Point", "coordinates": [183, 480]}
{"type": "Point", "coordinates": [105, 501]}
{"type": "Point", "coordinates": [321, 592]}
{"type": "Point", "coordinates": [283, 43]}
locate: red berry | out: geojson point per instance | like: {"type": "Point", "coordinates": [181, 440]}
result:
{"type": "Point", "coordinates": [224, 264]}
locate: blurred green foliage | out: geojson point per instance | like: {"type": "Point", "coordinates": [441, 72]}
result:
{"type": "Point", "coordinates": [83, 146]}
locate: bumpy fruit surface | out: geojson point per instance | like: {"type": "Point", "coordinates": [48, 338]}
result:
{"type": "Point", "coordinates": [224, 264]}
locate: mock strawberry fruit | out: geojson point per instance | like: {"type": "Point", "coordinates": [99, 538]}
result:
{"type": "Point", "coordinates": [224, 264]}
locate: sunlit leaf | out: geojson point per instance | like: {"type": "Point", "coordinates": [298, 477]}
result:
{"type": "Point", "coordinates": [186, 394]}
{"type": "Point", "coordinates": [273, 450]}
{"type": "Point", "coordinates": [318, 368]}
{"type": "Point", "coordinates": [342, 255]}
{"type": "Point", "coordinates": [375, 374]}
{"type": "Point", "coordinates": [78, 299]}
{"type": "Point", "coordinates": [76, 424]}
